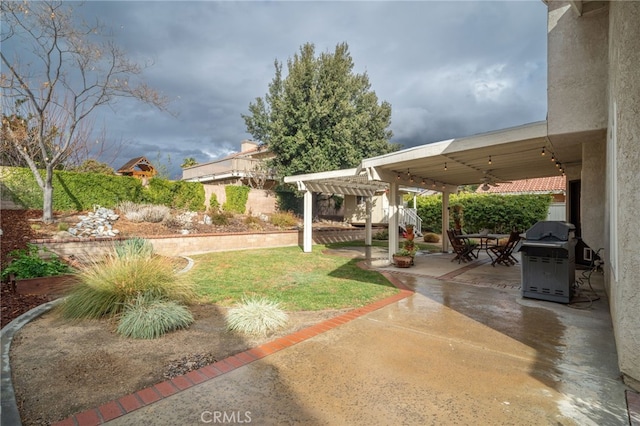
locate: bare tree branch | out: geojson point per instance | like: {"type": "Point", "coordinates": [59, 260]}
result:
{"type": "Point", "coordinates": [62, 72]}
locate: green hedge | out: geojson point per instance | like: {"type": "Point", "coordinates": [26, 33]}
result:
{"type": "Point", "coordinates": [498, 213]}
{"type": "Point", "coordinates": [237, 197]}
{"type": "Point", "coordinates": [176, 194]}
{"type": "Point", "coordinates": [81, 191]}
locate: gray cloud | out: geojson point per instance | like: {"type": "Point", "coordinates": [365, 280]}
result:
{"type": "Point", "coordinates": [449, 69]}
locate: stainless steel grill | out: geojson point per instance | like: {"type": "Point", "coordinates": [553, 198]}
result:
{"type": "Point", "coordinates": [549, 261]}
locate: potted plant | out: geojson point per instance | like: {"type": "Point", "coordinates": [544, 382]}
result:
{"type": "Point", "coordinates": [403, 258]}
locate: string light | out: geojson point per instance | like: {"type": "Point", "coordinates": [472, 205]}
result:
{"type": "Point", "coordinates": [543, 153]}
{"type": "Point", "coordinates": [489, 159]}
{"type": "Point", "coordinates": [445, 165]}
{"type": "Point", "coordinates": [553, 158]}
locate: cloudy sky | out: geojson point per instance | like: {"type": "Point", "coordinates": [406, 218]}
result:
{"type": "Point", "coordinates": [448, 68]}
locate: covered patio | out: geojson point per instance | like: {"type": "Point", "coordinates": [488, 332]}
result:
{"type": "Point", "coordinates": [522, 152]}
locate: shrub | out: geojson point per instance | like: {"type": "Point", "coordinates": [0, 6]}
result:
{"type": "Point", "coordinates": [431, 238]}
{"type": "Point", "coordinates": [284, 219]}
{"type": "Point", "coordinates": [256, 316]}
{"type": "Point", "coordinates": [381, 235]}
{"type": "Point", "coordinates": [147, 317]}
{"type": "Point", "coordinates": [253, 222]}
{"type": "Point", "coordinates": [237, 197]}
{"type": "Point", "coordinates": [221, 219]}
{"type": "Point", "coordinates": [134, 247]}
{"type": "Point", "coordinates": [214, 205]}
{"type": "Point", "coordinates": [183, 220]}
{"type": "Point", "coordinates": [105, 287]}
{"type": "Point", "coordinates": [26, 263]}
{"type": "Point", "coordinates": [63, 226]}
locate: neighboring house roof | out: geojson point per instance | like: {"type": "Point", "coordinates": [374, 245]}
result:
{"type": "Point", "coordinates": [546, 185]}
{"type": "Point", "coordinates": [140, 162]}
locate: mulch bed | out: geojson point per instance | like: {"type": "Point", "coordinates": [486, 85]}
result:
{"type": "Point", "coordinates": [16, 232]}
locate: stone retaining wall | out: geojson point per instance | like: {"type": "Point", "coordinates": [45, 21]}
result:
{"type": "Point", "coordinates": [174, 245]}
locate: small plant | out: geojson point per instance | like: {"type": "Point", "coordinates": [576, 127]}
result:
{"type": "Point", "coordinates": [26, 263]}
{"type": "Point", "coordinates": [253, 222]}
{"type": "Point", "coordinates": [431, 238]}
{"type": "Point", "coordinates": [405, 252]}
{"type": "Point", "coordinates": [381, 235]}
{"type": "Point", "coordinates": [147, 317]}
{"type": "Point", "coordinates": [36, 227]}
{"type": "Point", "coordinates": [134, 247]}
{"type": "Point", "coordinates": [284, 219]}
{"type": "Point", "coordinates": [106, 286]}
{"type": "Point", "coordinates": [221, 219]}
{"type": "Point", "coordinates": [214, 204]}
{"type": "Point", "coordinates": [256, 316]}
{"type": "Point", "coordinates": [63, 226]}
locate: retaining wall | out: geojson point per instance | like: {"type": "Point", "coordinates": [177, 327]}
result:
{"type": "Point", "coordinates": [174, 245]}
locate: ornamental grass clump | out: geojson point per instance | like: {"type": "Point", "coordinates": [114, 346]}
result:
{"type": "Point", "coordinates": [134, 247]}
{"type": "Point", "coordinates": [147, 317]}
{"type": "Point", "coordinates": [256, 316]}
{"type": "Point", "coordinates": [107, 286]}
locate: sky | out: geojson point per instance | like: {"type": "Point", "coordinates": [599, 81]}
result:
{"type": "Point", "coordinates": [448, 68]}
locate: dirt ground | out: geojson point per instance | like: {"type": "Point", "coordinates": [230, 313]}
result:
{"type": "Point", "coordinates": [60, 367]}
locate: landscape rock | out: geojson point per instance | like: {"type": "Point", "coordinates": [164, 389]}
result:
{"type": "Point", "coordinates": [97, 224]}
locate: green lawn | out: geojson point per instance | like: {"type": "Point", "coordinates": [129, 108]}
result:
{"type": "Point", "coordinates": [299, 281]}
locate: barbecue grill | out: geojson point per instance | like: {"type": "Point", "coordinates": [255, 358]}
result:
{"type": "Point", "coordinates": [549, 261]}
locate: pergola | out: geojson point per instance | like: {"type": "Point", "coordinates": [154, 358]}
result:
{"type": "Point", "coordinates": [516, 153]}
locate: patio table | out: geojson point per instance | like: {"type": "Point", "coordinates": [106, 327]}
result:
{"type": "Point", "coordinates": [484, 241]}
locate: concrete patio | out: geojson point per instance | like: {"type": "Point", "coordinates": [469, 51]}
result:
{"type": "Point", "coordinates": [465, 348]}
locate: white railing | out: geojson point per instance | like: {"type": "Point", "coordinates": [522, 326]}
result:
{"type": "Point", "coordinates": [406, 216]}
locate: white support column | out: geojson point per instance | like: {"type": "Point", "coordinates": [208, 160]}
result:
{"type": "Point", "coordinates": [393, 220]}
{"type": "Point", "coordinates": [445, 221]}
{"type": "Point", "coordinates": [308, 222]}
{"type": "Point", "coordinates": [368, 237]}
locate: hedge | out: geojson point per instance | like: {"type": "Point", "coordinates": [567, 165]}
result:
{"type": "Point", "coordinates": [497, 213]}
{"type": "Point", "coordinates": [81, 191]}
{"type": "Point", "coordinates": [237, 197]}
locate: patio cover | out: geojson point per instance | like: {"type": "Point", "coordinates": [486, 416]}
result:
{"type": "Point", "coordinates": [501, 156]}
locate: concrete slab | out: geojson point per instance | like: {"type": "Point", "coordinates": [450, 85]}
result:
{"type": "Point", "coordinates": [452, 353]}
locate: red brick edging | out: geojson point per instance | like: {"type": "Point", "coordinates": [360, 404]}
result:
{"type": "Point", "coordinates": [154, 393]}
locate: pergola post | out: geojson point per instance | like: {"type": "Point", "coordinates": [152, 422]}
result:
{"type": "Point", "coordinates": [368, 237]}
{"type": "Point", "coordinates": [393, 219]}
{"type": "Point", "coordinates": [307, 232]}
{"type": "Point", "coordinates": [445, 221]}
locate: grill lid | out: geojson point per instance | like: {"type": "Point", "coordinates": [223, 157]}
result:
{"type": "Point", "coordinates": [551, 230]}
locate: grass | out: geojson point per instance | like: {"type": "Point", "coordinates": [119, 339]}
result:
{"type": "Point", "coordinates": [105, 287]}
{"type": "Point", "coordinates": [298, 281]}
{"type": "Point", "coordinates": [256, 316]}
{"type": "Point", "coordinates": [147, 317]}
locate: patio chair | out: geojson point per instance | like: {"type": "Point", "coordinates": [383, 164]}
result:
{"type": "Point", "coordinates": [460, 236]}
{"type": "Point", "coordinates": [462, 250]}
{"type": "Point", "coordinates": [504, 253]}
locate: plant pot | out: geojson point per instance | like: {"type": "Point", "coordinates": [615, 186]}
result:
{"type": "Point", "coordinates": [403, 261]}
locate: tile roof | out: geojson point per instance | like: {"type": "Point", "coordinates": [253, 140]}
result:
{"type": "Point", "coordinates": [555, 184]}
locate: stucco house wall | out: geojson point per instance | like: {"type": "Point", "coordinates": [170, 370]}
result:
{"type": "Point", "coordinates": [623, 175]}
{"type": "Point", "coordinates": [577, 75]}
{"type": "Point", "coordinates": [594, 101]}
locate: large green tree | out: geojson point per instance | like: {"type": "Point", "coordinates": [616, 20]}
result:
{"type": "Point", "coordinates": [321, 116]}
{"type": "Point", "coordinates": [56, 71]}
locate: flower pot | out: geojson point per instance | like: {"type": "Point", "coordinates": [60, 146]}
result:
{"type": "Point", "coordinates": [402, 261]}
